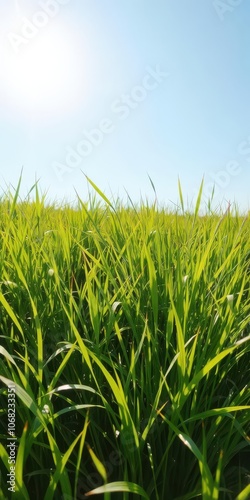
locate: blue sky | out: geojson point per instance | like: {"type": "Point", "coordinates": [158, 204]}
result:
{"type": "Point", "coordinates": [123, 90]}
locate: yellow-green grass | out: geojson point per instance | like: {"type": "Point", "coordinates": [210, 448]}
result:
{"type": "Point", "coordinates": [125, 332]}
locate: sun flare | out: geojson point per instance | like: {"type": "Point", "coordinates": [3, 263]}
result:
{"type": "Point", "coordinates": [44, 79]}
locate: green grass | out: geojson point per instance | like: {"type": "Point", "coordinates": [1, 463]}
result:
{"type": "Point", "coordinates": [125, 331]}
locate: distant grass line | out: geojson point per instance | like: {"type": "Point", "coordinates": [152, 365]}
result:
{"type": "Point", "coordinates": [125, 332]}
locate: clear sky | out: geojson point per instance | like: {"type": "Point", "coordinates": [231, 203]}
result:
{"type": "Point", "coordinates": [126, 89]}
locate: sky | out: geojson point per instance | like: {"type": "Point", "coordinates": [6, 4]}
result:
{"type": "Point", "coordinates": [124, 92]}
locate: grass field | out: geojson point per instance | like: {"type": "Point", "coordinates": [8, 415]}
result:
{"type": "Point", "coordinates": [125, 351]}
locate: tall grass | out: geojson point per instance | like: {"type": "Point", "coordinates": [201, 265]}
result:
{"type": "Point", "coordinates": [126, 334]}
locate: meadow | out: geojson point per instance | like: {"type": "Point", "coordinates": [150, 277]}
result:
{"type": "Point", "coordinates": [125, 343]}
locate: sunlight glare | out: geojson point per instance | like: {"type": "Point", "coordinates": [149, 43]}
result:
{"type": "Point", "coordinates": [45, 78]}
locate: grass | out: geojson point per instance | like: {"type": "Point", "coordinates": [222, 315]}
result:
{"type": "Point", "coordinates": [125, 333]}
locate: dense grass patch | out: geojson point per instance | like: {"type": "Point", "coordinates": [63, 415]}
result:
{"type": "Point", "coordinates": [125, 332]}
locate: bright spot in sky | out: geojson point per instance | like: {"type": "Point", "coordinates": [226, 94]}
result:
{"type": "Point", "coordinates": [45, 79]}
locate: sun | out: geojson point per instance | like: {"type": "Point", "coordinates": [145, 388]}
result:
{"type": "Point", "coordinates": [45, 79]}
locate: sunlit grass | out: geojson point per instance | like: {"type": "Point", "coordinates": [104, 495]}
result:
{"type": "Point", "coordinates": [126, 334]}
